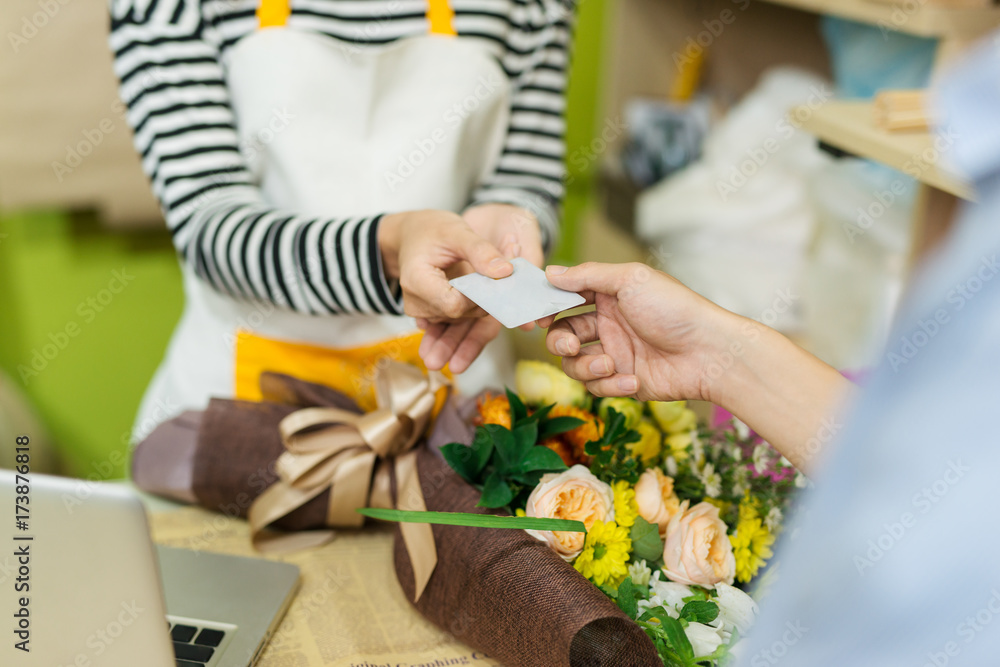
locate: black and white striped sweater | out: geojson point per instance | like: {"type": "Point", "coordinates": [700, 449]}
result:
{"type": "Point", "coordinates": [169, 57]}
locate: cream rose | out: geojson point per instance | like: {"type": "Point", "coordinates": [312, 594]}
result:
{"type": "Point", "coordinates": [697, 551]}
{"type": "Point", "coordinates": [574, 494]}
{"type": "Point", "coordinates": [655, 497]}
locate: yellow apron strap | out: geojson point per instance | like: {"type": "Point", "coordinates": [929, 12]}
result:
{"type": "Point", "coordinates": [440, 15]}
{"type": "Point", "coordinates": [273, 13]}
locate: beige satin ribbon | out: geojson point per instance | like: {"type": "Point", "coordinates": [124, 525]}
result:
{"type": "Point", "coordinates": [354, 456]}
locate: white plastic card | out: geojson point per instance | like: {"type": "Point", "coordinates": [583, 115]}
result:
{"type": "Point", "coordinates": [524, 296]}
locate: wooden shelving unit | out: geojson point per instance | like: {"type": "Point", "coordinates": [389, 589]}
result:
{"type": "Point", "coordinates": [850, 126]}
{"type": "Point", "coordinates": [926, 20]}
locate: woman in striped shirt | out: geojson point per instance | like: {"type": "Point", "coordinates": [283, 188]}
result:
{"type": "Point", "coordinates": [325, 165]}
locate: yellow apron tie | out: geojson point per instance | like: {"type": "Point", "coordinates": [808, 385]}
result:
{"type": "Point", "coordinates": [273, 13]}
{"type": "Point", "coordinates": [440, 15]}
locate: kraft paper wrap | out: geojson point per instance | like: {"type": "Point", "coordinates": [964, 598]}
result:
{"type": "Point", "coordinates": [499, 591]}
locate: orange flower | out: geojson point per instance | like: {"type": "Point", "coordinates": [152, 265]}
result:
{"type": "Point", "coordinates": [591, 429]}
{"type": "Point", "coordinates": [564, 451]}
{"type": "Point", "coordinates": [494, 410]}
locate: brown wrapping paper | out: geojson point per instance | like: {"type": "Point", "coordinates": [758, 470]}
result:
{"type": "Point", "coordinates": [499, 591]}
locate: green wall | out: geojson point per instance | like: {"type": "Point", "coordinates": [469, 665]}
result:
{"type": "Point", "coordinates": [85, 314]}
{"type": "Point", "coordinates": [84, 318]}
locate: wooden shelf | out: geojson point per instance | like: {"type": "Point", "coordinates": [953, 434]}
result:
{"type": "Point", "coordinates": [925, 20]}
{"type": "Point", "coordinates": [850, 126]}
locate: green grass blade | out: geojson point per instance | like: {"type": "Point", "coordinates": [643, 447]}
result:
{"type": "Point", "coordinates": [474, 520]}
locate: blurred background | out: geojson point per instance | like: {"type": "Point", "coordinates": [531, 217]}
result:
{"type": "Point", "coordinates": [747, 147]}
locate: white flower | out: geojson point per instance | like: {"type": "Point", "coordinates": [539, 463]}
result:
{"type": "Point", "coordinates": [639, 572]}
{"type": "Point", "coordinates": [704, 639]}
{"type": "Point", "coordinates": [712, 481]}
{"type": "Point", "coordinates": [761, 458]}
{"type": "Point", "coordinates": [671, 465]}
{"type": "Point", "coordinates": [666, 594]}
{"type": "Point", "coordinates": [742, 430]}
{"type": "Point", "coordinates": [773, 519]}
{"type": "Point", "coordinates": [697, 451]}
{"type": "Point", "coordinates": [737, 610]}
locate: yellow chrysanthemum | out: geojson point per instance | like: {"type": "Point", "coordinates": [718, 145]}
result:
{"type": "Point", "coordinates": [626, 509]}
{"type": "Point", "coordinates": [605, 553]}
{"type": "Point", "coordinates": [751, 546]}
{"type": "Point", "coordinates": [723, 505]}
{"type": "Point", "coordinates": [650, 442]}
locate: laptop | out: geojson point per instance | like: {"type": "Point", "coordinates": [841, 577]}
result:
{"type": "Point", "coordinates": [82, 585]}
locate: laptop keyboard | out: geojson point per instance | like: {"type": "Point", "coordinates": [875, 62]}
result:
{"type": "Point", "coordinates": [194, 646]}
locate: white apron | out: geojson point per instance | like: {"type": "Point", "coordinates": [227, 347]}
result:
{"type": "Point", "coordinates": [351, 116]}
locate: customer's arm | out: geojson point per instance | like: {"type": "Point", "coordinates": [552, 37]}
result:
{"type": "Point", "coordinates": [652, 338]}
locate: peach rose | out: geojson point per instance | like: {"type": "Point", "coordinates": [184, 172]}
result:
{"type": "Point", "coordinates": [697, 551]}
{"type": "Point", "coordinates": [654, 494]}
{"type": "Point", "coordinates": [572, 494]}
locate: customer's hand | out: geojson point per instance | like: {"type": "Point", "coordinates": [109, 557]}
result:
{"type": "Point", "coordinates": [423, 249]}
{"type": "Point", "coordinates": [653, 338]}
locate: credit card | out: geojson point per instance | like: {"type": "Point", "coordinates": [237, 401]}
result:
{"type": "Point", "coordinates": [524, 296]}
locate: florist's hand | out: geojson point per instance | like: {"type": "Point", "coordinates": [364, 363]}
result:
{"type": "Point", "coordinates": [515, 233]}
{"type": "Point", "coordinates": [423, 249]}
{"type": "Point", "coordinates": [653, 338]}
{"type": "Point", "coordinates": [512, 229]}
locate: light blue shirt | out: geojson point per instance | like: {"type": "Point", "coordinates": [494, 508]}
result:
{"type": "Point", "coordinates": [896, 557]}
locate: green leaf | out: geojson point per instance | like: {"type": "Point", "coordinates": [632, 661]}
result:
{"type": "Point", "coordinates": [675, 635]}
{"type": "Point", "coordinates": [525, 437]}
{"type": "Point", "coordinates": [503, 443]}
{"type": "Point", "coordinates": [474, 520]}
{"type": "Point", "coordinates": [626, 598]}
{"type": "Point", "coordinates": [540, 458]}
{"type": "Point", "coordinates": [482, 446]}
{"type": "Point", "coordinates": [646, 542]}
{"type": "Point", "coordinates": [541, 413]}
{"type": "Point", "coordinates": [462, 460]}
{"type": "Point", "coordinates": [517, 410]}
{"type": "Point", "coordinates": [529, 479]}
{"type": "Point", "coordinates": [496, 492]}
{"type": "Point", "coordinates": [557, 425]}
{"type": "Point", "coordinates": [700, 612]}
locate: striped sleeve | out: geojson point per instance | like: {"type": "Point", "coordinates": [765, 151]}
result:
{"type": "Point", "coordinates": [531, 170]}
{"type": "Point", "coordinates": [172, 81]}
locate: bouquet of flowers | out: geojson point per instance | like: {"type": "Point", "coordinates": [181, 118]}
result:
{"type": "Point", "coordinates": [676, 514]}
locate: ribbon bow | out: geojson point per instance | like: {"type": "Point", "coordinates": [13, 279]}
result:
{"type": "Point", "coordinates": [355, 457]}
